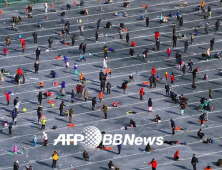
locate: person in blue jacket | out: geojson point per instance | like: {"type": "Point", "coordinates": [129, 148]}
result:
{"type": "Point", "coordinates": [14, 115]}
{"type": "Point", "coordinates": [10, 128]}
{"type": "Point", "coordinates": [172, 126]}
{"type": "Point", "coordinates": [66, 61]}
{"type": "Point", "coordinates": [63, 85]}
{"type": "Point", "coordinates": [34, 140]}
{"type": "Point", "coordinates": [178, 15]}
{"type": "Point", "coordinates": [73, 96]}
{"type": "Point", "coordinates": [119, 147]}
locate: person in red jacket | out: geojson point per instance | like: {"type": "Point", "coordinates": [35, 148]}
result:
{"type": "Point", "coordinates": [141, 93]}
{"type": "Point", "coordinates": [19, 71]}
{"type": "Point", "coordinates": [156, 35]}
{"type": "Point", "coordinates": [153, 71]}
{"type": "Point", "coordinates": [172, 78]}
{"type": "Point", "coordinates": [167, 76]}
{"type": "Point", "coordinates": [177, 155]}
{"type": "Point", "coordinates": [7, 98]}
{"type": "Point", "coordinates": [168, 52]}
{"type": "Point", "coordinates": [153, 163]}
{"type": "Point", "coordinates": [23, 45]}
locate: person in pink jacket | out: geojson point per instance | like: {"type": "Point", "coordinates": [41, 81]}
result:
{"type": "Point", "coordinates": [168, 52]}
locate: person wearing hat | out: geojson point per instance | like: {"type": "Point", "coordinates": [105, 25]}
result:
{"type": "Point", "coordinates": [105, 110]}
{"type": "Point", "coordinates": [167, 76]}
{"type": "Point", "coordinates": [200, 134]}
{"type": "Point", "coordinates": [153, 163]}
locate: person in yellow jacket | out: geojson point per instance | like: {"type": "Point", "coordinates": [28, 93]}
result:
{"type": "Point", "coordinates": [43, 123]}
{"type": "Point", "coordinates": [55, 157]}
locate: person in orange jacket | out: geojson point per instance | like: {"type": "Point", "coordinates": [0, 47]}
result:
{"type": "Point", "coordinates": [81, 77]}
{"type": "Point", "coordinates": [141, 93]}
{"type": "Point", "coordinates": [100, 96]}
{"type": "Point", "coordinates": [177, 155]}
{"type": "Point", "coordinates": [153, 71]}
{"type": "Point", "coordinates": [153, 163]}
{"type": "Point", "coordinates": [108, 71]}
{"type": "Point", "coordinates": [167, 76]}
{"type": "Point", "coordinates": [41, 85]}
{"type": "Point", "coordinates": [172, 78]}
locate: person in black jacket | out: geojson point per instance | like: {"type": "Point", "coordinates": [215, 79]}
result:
{"type": "Point", "coordinates": [200, 134]}
{"type": "Point", "coordinates": [101, 75]}
{"type": "Point", "coordinates": [40, 97]}
{"type": "Point", "coordinates": [147, 21]}
{"type": "Point", "coordinates": [190, 65]}
{"type": "Point", "coordinates": [150, 103]}
{"type": "Point", "coordinates": [35, 37]}
{"type": "Point", "coordinates": [102, 85]}
{"type": "Point", "coordinates": [37, 52]}
{"type": "Point", "coordinates": [61, 107]}
{"type": "Point", "coordinates": [173, 126]}
{"type": "Point", "coordinates": [131, 52]}
{"type": "Point", "coordinates": [50, 41]}
{"type": "Point", "coordinates": [94, 103]}
{"type": "Point", "coordinates": [132, 123]}
{"type": "Point", "coordinates": [15, 101]}
{"type": "Point", "coordinates": [86, 155]}
{"type": "Point", "coordinates": [17, 78]}
{"type": "Point", "coordinates": [127, 39]}
{"type": "Point", "coordinates": [97, 35]}
{"type": "Point", "coordinates": [108, 86]}
{"type": "Point", "coordinates": [68, 6]}
{"type": "Point", "coordinates": [73, 39]}
{"type": "Point", "coordinates": [124, 86]}
{"type": "Point", "coordinates": [167, 88]}
{"type": "Point", "coordinates": [217, 24]}
{"type": "Point", "coordinates": [53, 74]}
{"type": "Point", "coordinates": [158, 119]}
{"type": "Point", "coordinates": [36, 66]}
{"type": "Point", "coordinates": [174, 40]}
{"type": "Point", "coordinates": [157, 44]}
{"type": "Point", "coordinates": [194, 160]}
{"type": "Point", "coordinates": [186, 44]}
{"type": "Point", "coordinates": [108, 25]}
{"type": "Point", "coordinates": [184, 69]}
{"type": "Point", "coordinates": [212, 44]}
{"type": "Point", "coordinates": [181, 22]}
{"type": "Point", "coordinates": [110, 164]}
{"type": "Point", "coordinates": [194, 74]}
{"type": "Point", "coordinates": [16, 165]}
{"type": "Point", "coordinates": [202, 118]}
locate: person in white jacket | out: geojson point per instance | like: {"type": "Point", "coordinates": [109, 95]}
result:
{"type": "Point", "coordinates": [45, 138]}
{"type": "Point", "coordinates": [105, 63]}
{"type": "Point", "coordinates": [46, 6]}
{"type": "Point", "coordinates": [17, 105]}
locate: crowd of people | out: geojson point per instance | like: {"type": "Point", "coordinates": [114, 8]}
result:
{"type": "Point", "coordinates": [104, 78]}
